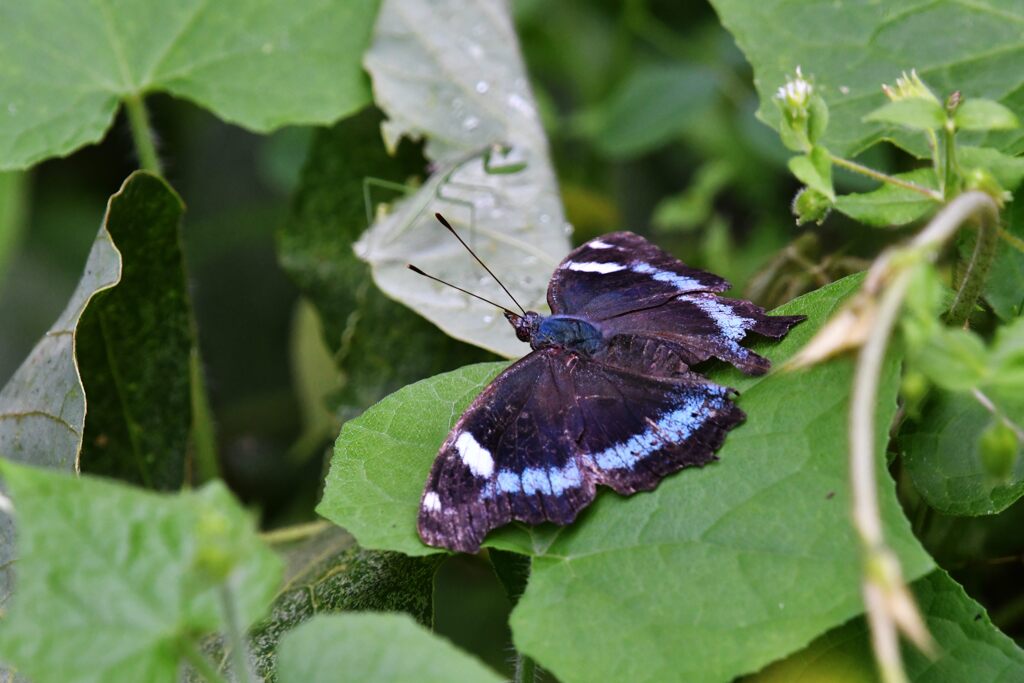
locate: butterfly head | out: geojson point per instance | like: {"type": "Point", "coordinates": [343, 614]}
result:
{"type": "Point", "coordinates": [525, 325]}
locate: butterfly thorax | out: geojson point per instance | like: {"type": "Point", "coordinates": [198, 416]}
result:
{"type": "Point", "coordinates": [560, 331]}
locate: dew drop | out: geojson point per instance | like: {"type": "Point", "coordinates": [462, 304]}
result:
{"type": "Point", "coordinates": [267, 48]}
{"type": "Point", "coordinates": [544, 218]}
{"type": "Point", "coordinates": [521, 105]}
{"type": "Point", "coordinates": [470, 123]}
{"type": "Point", "coordinates": [488, 319]}
{"type": "Point", "coordinates": [475, 51]}
{"type": "Point", "coordinates": [482, 87]}
{"type": "Point", "coordinates": [567, 228]}
{"type": "Point", "coordinates": [12, 109]}
{"type": "Point", "coordinates": [845, 90]}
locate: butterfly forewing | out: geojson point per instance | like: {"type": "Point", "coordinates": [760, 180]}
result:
{"type": "Point", "coordinates": [510, 456]}
{"type": "Point", "coordinates": [622, 272]}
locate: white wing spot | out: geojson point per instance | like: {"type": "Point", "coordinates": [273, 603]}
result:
{"type": "Point", "coordinates": [432, 502]}
{"type": "Point", "coordinates": [598, 244]}
{"type": "Point", "coordinates": [594, 267]}
{"type": "Point", "coordinates": [477, 458]}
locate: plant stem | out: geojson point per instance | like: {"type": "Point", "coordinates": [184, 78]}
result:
{"type": "Point", "coordinates": [204, 437]}
{"type": "Point", "coordinates": [298, 532]}
{"type": "Point", "coordinates": [234, 635]}
{"type": "Point", "coordinates": [974, 278]}
{"type": "Point", "coordinates": [1011, 239]}
{"type": "Point", "coordinates": [526, 669]}
{"type": "Point", "coordinates": [884, 178]}
{"type": "Point", "coordinates": [886, 599]}
{"type": "Point", "coordinates": [142, 134]}
{"type": "Point", "coordinates": [949, 166]}
{"type": "Point", "coordinates": [203, 666]}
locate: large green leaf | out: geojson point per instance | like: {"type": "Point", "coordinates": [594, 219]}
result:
{"type": "Point", "coordinates": [66, 65]}
{"type": "Point", "coordinates": [113, 582]}
{"type": "Point", "coordinates": [970, 648]}
{"type": "Point", "coordinates": [330, 573]}
{"type": "Point", "coordinates": [134, 341]}
{"type": "Point", "coordinates": [450, 73]}
{"type": "Point", "coordinates": [732, 559]}
{"type": "Point", "coordinates": [374, 647]}
{"type": "Point", "coordinates": [378, 344]}
{"type": "Point", "coordinates": [943, 457]}
{"type": "Point", "coordinates": [852, 48]}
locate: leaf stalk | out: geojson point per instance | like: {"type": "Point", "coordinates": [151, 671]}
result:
{"type": "Point", "coordinates": [142, 134]}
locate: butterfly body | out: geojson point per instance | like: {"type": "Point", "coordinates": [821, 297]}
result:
{"type": "Point", "coordinates": [607, 395]}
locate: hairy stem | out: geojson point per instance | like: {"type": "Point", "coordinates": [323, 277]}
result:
{"type": "Point", "coordinates": [298, 532]}
{"type": "Point", "coordinates": [142, 134]}
{"type": "Point", "coordinates": [203, 666]}
{"type": "Point", "coordinates": [526, 669]}
{"type": "Point", "coordinates": [974, 276]}
{"type": "Point", "coordinates": [235, 636]}
{"type": "Point", "coordinates": [884, 178]}
{"type": "Point", "coordinates": [1011, 239]}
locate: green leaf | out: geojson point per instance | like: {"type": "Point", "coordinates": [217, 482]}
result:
{"type": "Point", "coordinates": [980, 114]}
{"type": "Point", "coordinates": [330, 573]}
{"type": "Point", "coordinates": [451, 73]}
{"type": "Point", "coordinates": [942, 453]}
{"type": "Point", "coordinates": [1008, 170]}
{"type": "Point", "coordinates": [649, 108]}
{"type": "Point", "coordinates": [766, 529]}
{"type": "Point", "coordinates": [1004, 288]}
{"type": "Point", "coordinates": [378, 502]}
{"type": "Point", "coordinates": [111, 582]}
{"type": "Point", "coordinates": [134, 342]}
{"type": "Point", "coordinates": [378, 344]}
{"type": "Point", "coordinates": [815, 171]}
{"type": "Point", "coordinates": [969, 648]}
{"type": "Point", "coordinates": [916, 113]}
{"type": "Point", "coordinates": [851, 49]}
{"type": "Point", "coordinates": [374, 647]}
{"type": "Point", "coordinates": [260, 64]}
{"type": "Point", "coordinates": [953, 359]}
{"type": "Point", "coordinates": [891, 204]}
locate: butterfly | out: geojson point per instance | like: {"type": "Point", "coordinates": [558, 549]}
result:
{"type": "Point", "coordinates": [606, 396]}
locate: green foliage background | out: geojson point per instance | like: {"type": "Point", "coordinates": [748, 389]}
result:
{"type": "Point", "coordinates": [215, 323]}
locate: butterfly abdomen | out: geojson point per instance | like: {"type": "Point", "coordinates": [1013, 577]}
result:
{"type": "Point", "coordinates": [567, 332]}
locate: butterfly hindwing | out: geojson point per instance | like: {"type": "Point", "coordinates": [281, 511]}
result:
{"type": "Point", "coordinates": [640, 428]}
{"type": "Point", "coordinates": [703, 325]}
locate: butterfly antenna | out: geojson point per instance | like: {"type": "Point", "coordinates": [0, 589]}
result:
{"type": "Point", "coordinates": [464, 291]}
{"type": "Point", "coordinates": [472, 253]}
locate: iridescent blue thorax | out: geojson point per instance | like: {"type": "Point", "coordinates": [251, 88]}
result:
{"type": "Point", "coordinates": [560, 331]}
